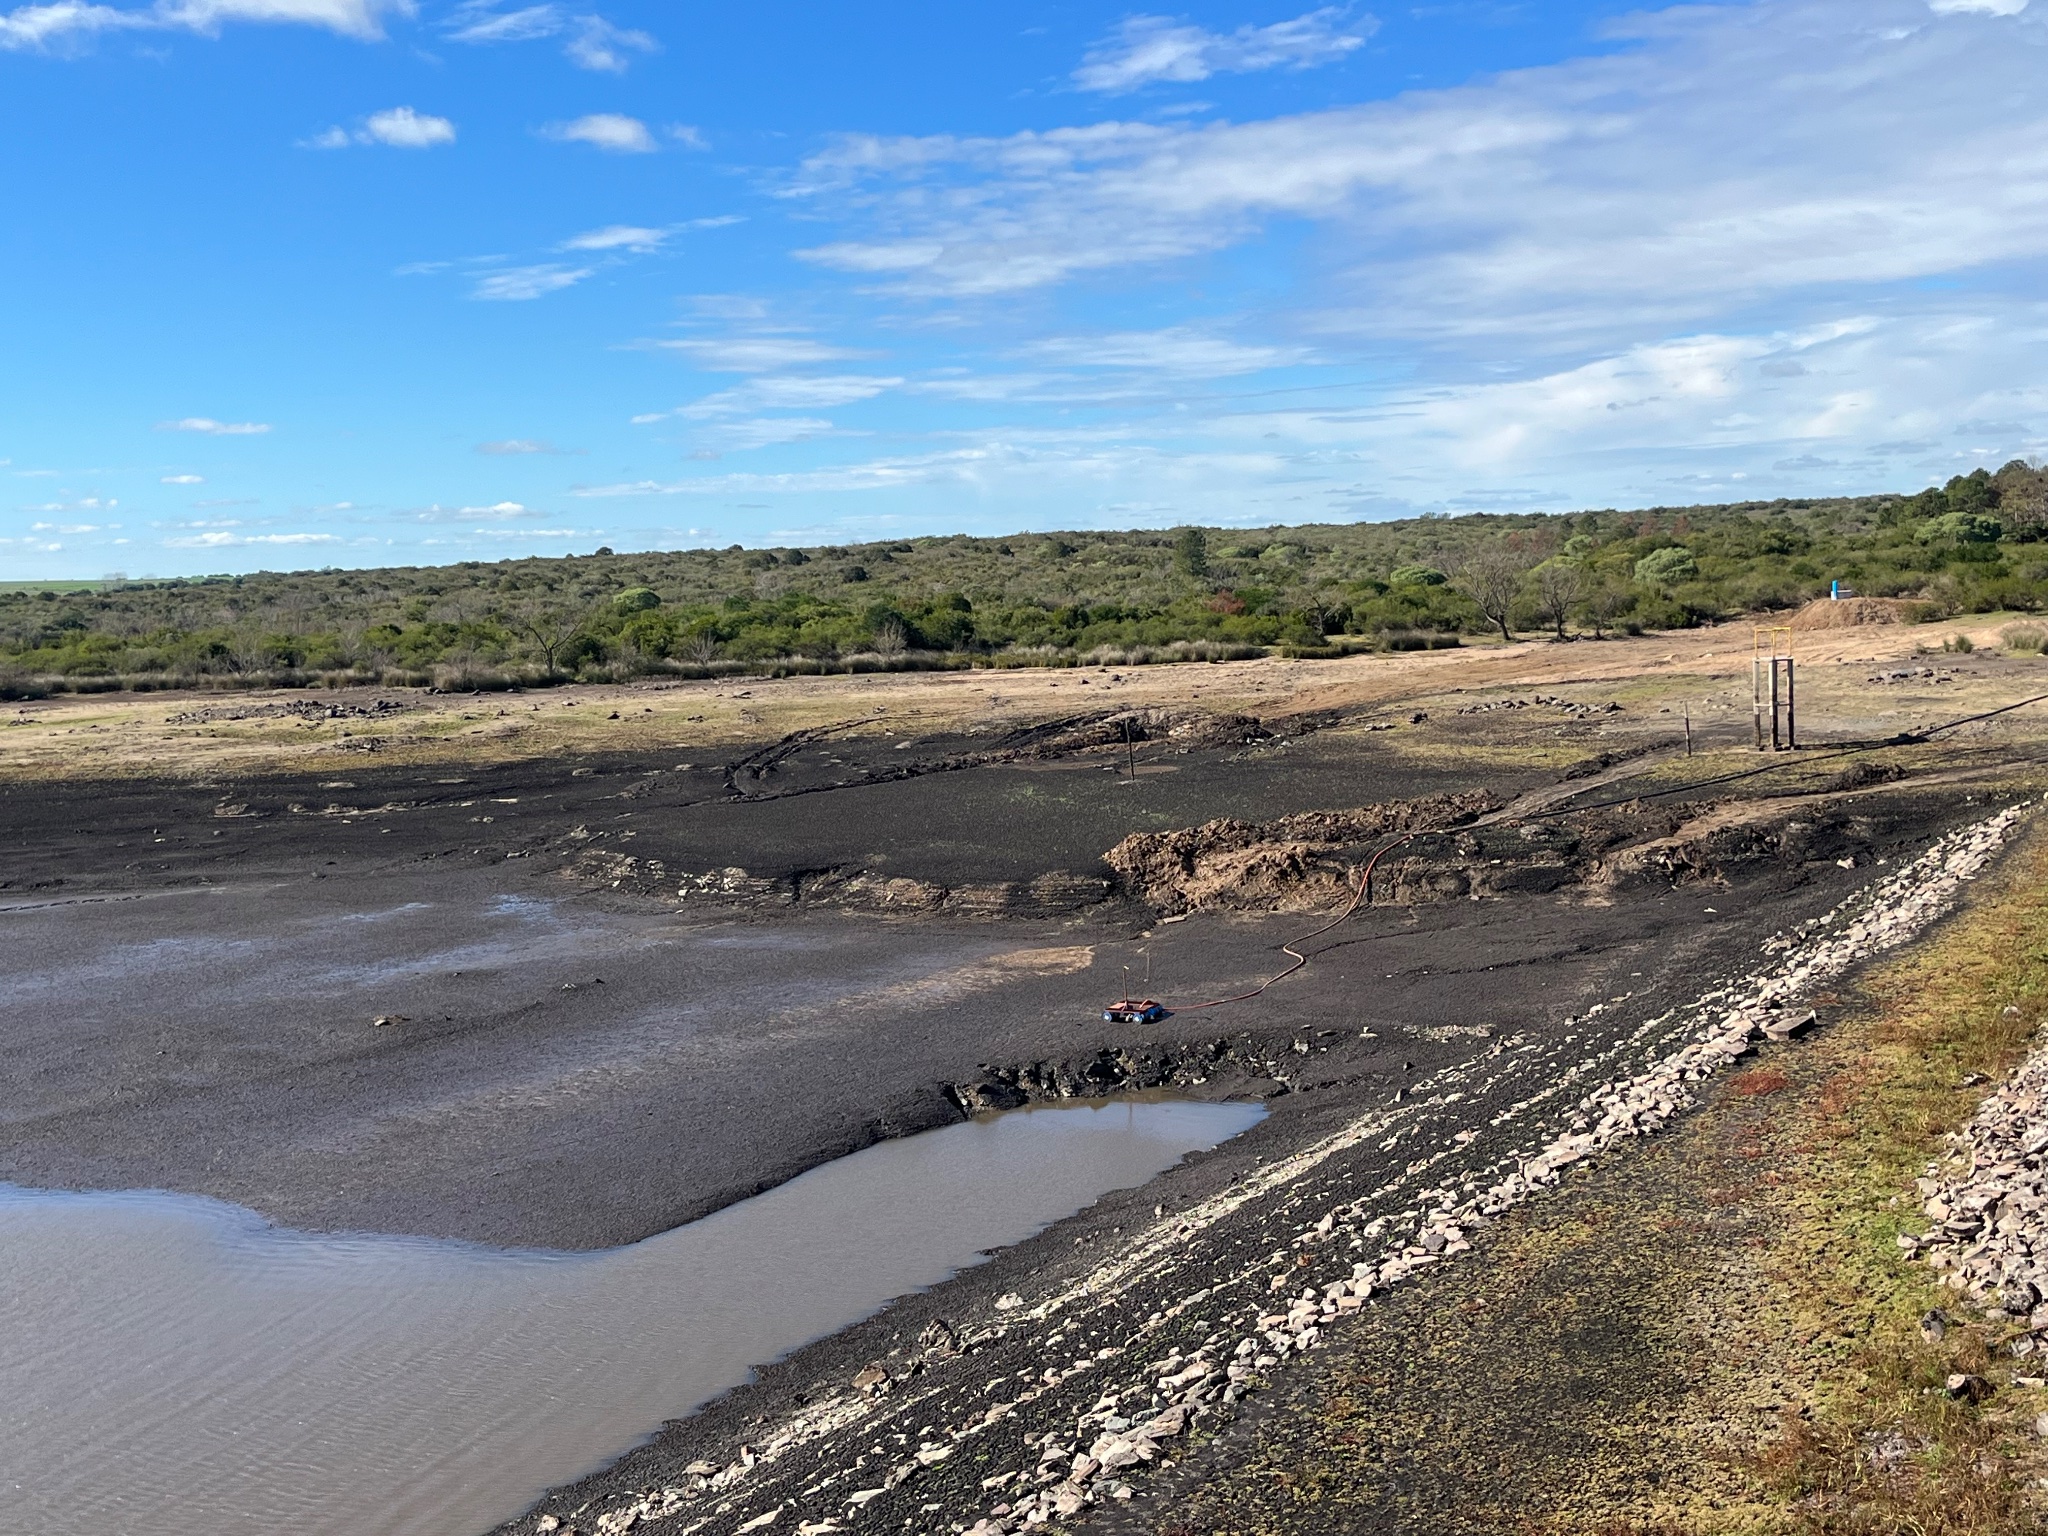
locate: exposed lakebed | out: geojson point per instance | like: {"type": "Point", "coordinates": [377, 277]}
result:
{"type": "Point", "coordinates": [177, 1366]}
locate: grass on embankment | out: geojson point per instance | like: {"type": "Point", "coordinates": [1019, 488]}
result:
{"type": "Point", "coordinates": [1713, 1332]}
{"type": "Point", "coordinates": [1885, 1448]}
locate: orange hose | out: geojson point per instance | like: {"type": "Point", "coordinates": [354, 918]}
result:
{"type": "Point", "coordinates": [1358, 898]}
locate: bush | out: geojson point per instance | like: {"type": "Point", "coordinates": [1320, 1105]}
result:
{"type": "Point", "coordinates": [2027, 639]}
{"type": "Point", "coordinates": [636, 600]}
{"type": "Point", "coordinates": [1667, 567]}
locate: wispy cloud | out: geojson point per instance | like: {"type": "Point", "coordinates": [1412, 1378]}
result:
{"type": "Point", "coordinates": [597, 44]}
{"type": "Point", "coordinates": [1718, 155]}
{"type": "Point", "coordinates": [182, 480]}
{"type": "Point", "coordinates": [619, 237]}
{"type": "Point", "coordinates": [784, 392]}
{"type": "Point", "coordinates": [70, 23]}
{"type": "Point", "coordinates": [515, 447]}
{"type": "Point", "coordinates": [478, 22]}
{"type": "Point", "coordinates": [1147, 49]}
{"type": "Point", "coordinates": [500, 512]}
{"type": "Point", "coordinates": [222, 538]}
{"type": "Point", "coordinates": [739, 436]}
{"type": "Point", "coordinates": [589, 41]}
{"type": "Point", "coordinates": [981, 466]}
{"type": "Point", "coordinates": [610, 131]}
{"type": "Point", "coordinates": [518, 284]}
{"type": "Point", "coordinates": [1180, 351]}
{"type": "Point", "coordinates": [756, 354]}
{"type": "Point", "coordinates": [397, 128]}
{"type": "Point", "coordinates": [211, 428]}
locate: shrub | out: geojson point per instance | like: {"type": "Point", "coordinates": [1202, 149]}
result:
{"type": "Point", "coordinates": [1667, 567]}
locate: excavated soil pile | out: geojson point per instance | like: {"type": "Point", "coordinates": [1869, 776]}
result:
{"type": "Point", "coordinates": [1290, 864]}
{"type": "Point", "coordinates": [1853, 613]}
{"type": "Point", "coordinates": [1313, 862]}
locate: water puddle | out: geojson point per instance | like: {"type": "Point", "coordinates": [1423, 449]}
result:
{"type": "Point", "coordinates": [172, 1366]}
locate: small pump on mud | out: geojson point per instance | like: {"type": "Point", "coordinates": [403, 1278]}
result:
{"type": "Point", "coordinates": [1133, 1010]}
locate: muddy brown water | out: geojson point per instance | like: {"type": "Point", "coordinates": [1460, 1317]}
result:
{"type": "Point", "coordinates": [176, 1366]}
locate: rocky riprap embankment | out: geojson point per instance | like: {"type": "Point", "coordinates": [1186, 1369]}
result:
{"type": "Point", "coordinates": [1053, 1402]}
{"type": "Point", "coordinates": [1988, 1206]}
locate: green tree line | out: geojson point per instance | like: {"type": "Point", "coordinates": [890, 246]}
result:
{"type": "Point", "coordinates": [1977, 544]}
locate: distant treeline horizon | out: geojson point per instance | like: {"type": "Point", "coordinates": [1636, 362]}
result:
{"type": "Point", "coordinates": [1978, 544]}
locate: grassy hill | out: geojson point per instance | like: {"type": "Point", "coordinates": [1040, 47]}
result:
{"type": "Point", "coordinates": [1977, 545]}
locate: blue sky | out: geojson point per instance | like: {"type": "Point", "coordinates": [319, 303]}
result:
{"type": "Point", "coordinates": [304, 282]}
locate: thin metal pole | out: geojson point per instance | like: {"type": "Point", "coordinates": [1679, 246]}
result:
{"type": "Point", "coordinates": [1791, 706]}
{"type": "Point", "coordinates": [1756, 698]}
{"type": "Point", "coordinates": [1688, 730]}
{"type": "Point", "coordinates": [1131, 748]}
{"type": "Point", "coordinates": [1774, 704]}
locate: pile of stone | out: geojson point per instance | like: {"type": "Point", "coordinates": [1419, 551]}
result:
{"type": "Point", "coordinates": [295, 709]}
{"type": "Point", "coordinates": [1988, 1207]}
{"type": "Point", "coordinates": [1570, 707]}
{"type": "Point", "coordinates": [1913, 675]}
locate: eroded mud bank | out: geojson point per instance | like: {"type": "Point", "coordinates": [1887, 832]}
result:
{"type": "Point", "coordinates": [1051, 1397]}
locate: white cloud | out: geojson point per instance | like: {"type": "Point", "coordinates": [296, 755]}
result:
{"type": "Point", "coordinates": [223, 539]}
{"type": "Point", "coordinates": [1145, 49]}
{"type": "Point", "coordinates": [756, 354]}
{"type": "Point", "coordinates": [593, 43]}
{"type": "Point", "coordinates": [518, 284]}
{"type": "Point", "coordinates": [403, 128]}
{"type": "Point", "coordinates": [1718, 156]}
{"type": "Point", "coordinates": [477, 22]}
{"type": "Point", "coordinates": [70, 22]}
{"type": "Point", "coordinates": [640, 239]}
{"type": "Point", "coordinates": [182, 480]}
{"type": "Point", "coordinates": [614, 237]}
{"type": "Point", "coordinates": [783, 392]}
{"type": "Point", "coordinates": [766, 432]}
{"type": "Point", "coordinates": [612, 131]}
{"type": "Point", "coordinates": [212, 428]}
{"type": "Point", "coordinates": [503, 511]}
{"type": "Point", "coordinates": [983, 466]}
{"type": "Point", "coordinates": [1981, 7]}
{"type": "Point", "coordinates": [1177, 350]}
{"type": "Point", "coordinates": [399, 128]}
{"type": "Point", "coordinates": [599, 45]}
{"type": "Point", "coordinates": [514, 447]}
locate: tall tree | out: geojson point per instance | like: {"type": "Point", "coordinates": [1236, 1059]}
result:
{"type": "Point", "coordinates": [1557, 588]}
{"type": "Point", "coordinates": [550, 627]}
{"type": "Point", "coordinates": [1492, 577]}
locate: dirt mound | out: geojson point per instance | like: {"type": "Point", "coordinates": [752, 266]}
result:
{"type": "Point", "coordinates": [1853, 612]}
{"type": "Point", "coordinates": [1271, 865]}
{"type": "Point", "coordinates": [1184, 729]}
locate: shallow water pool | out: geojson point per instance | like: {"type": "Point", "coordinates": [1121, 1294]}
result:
{"type": "Point", "coordinates": [174, 1366]}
